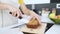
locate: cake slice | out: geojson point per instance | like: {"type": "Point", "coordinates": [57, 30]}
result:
{"type": "Point", "coordinates": [33, 23]}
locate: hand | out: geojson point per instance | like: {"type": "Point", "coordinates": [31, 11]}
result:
{"type": "Point", "coordinates": [34, 15]}
{"type": "Point", "coordinates": [11, 8]}
{"type": "Point", "coordinates": [15, 11]}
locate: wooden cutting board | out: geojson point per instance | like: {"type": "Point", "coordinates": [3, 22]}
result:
{"type": "Point", "coordinates": [39, 30]}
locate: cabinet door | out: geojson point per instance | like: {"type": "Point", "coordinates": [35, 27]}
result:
{"type": "Point", "coordinates": [55, 1]}
{"type": "Point", "coordinates": [0, 18]}
{"type": "Point", "coordinates": [8, 19]}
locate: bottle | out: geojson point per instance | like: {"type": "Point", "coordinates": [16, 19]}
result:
{"type": "Point", "coordinates": [44, 15]}
{"type": "Point", "coordinates": [43, 10]}
{"type": "Point", "coordinates": [54, 10]}
{"type": "Point", "coordinates": [53, 14]}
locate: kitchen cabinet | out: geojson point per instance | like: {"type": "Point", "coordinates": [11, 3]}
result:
{"type": "Point", "coordinates": [55, 1]}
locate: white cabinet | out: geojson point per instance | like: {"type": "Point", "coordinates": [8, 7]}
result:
{"type": "Point", "coordinates": [0, 19]}
{"type": "Point", "coordinates": [8, 19]}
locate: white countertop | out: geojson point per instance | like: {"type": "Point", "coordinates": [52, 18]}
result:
{"type": "Point", "coordinates": [55, 29]}
{"type": "Point", "coordinates": [10, 31]}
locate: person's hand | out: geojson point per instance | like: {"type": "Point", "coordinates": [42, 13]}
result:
{"type": "Point", "coordinates": [15, 11]}
{"type": "Point", "coordinates": [34, 15]}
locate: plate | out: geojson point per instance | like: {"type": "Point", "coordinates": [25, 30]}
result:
{"type": "Point", "coordinates": [39, 30]}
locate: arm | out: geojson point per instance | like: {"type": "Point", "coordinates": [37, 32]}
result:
{"type": "Point", "coordinates": [24, 8]}
{"type": "Point", "coordinates": [3, 6]}
{"type": "Point", "coordinates": [14, 10]}
{"type": "Point", "coordinates": [29, 12]}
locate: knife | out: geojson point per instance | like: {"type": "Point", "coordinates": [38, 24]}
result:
{"type": "Point", "coordinates": [49, 25]}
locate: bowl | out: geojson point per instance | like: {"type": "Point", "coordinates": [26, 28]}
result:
{"type": "Point", "coordinates": [57, 21]}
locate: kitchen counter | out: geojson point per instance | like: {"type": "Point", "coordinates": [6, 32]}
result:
{"type": "Point", "coordinates": [51, 28]}
{"type": "Point", "coordinates": [10, 31]}
{"type": "Point", "coordinates": [55, 29]}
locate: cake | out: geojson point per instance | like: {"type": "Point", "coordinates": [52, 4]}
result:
{"type": "Point", "coordinates": [33, 23]}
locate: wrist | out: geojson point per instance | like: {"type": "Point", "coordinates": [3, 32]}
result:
{"type": "Point", "coordinates": [11, 8]}
{"type": "Point", "coordinates": [7, 6]}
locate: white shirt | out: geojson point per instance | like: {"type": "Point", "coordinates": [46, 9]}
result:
{"type": "Point", "coordinates": [7, 18]}
{"type": "Point", "coordinates": [11, 2]}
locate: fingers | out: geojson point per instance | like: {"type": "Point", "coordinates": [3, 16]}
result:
{"type": "Point", "coordinates": [12, 13]}
{"type": "Point", "coordinates": [16, 13]}
{"type": "Point", "coordinates": [38, 18]}
{"type": "Point", "coordinates": [31, 18]}
{"type": "Point", "coordinates": [35, 17]}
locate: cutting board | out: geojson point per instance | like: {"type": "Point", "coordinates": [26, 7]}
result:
{"type": "Point", "coordinates": [39, 30]}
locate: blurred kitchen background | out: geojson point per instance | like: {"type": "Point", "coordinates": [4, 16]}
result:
{"type": "Point", "coordinates": [52, 4]}
{"type": "Point", "coordinates": [39, 6]}
{"type": "Point", "coordinates": [48, 5]}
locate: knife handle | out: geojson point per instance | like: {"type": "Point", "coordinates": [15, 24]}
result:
{"type": "Point", "coordinates": [16, 15]}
